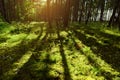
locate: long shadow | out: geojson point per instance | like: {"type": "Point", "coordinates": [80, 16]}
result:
{"type": "Point", "coordinates": [38, 66]}
{"type": "Point", "coordinates": [98, 34]}
{"type": "Point", "coordinates": [28, 73]}
{"type": "Point", "coordinates": [88, 29]}
{"type": "Point", "coordinates": [67, 75]}
{"type": "Point", "coordinates": [8, 57]}
{"type": "Point", "coordinates": [93, 62]}
{"type": "Point", "coordinates": [108, 53]}
{"type": "Point", "coordinates": [31, 72]}
{"type": "Point", "coordinates": [102, 72]}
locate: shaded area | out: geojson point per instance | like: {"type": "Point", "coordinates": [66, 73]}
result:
{"type": "Point", "coordinates": [67, 75]}
{"type": "Point", "coordinates": [97, 63]}
{"type": "Point", "coordinates": [56, 55]}
{"type": "Point", "coordinates": [9, 56]}
{"type": "Point", "coordinates": [108, 52]}
{"type": "Point", "coordinates": [15, 56]}
{"type": "Point", "coordinates": [103, 69]}
{"type": "Point", "coordinates": [38, 67]}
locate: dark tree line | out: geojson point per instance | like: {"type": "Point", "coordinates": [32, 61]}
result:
{"type": "Point", "coordinates": [60, 10]}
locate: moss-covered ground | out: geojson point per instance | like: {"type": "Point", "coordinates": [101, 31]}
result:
{"type": "Point", "coordinates": [29, 52]}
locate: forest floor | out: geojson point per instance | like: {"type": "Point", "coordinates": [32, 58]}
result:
{"type": "Point", "coordinates": [30, 52]}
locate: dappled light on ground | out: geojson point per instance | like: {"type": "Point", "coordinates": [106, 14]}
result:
{"type": "Point", "coordinates": [30, 52]}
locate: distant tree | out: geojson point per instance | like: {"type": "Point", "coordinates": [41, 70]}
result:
{"type": "Point", "coordinates": [102, 6]}
{"type": "Point", "coordinates": [49, 13]}
{"type": "Point", "coordinates": [89, 8]}
{"type": "Point", "coordinates": [116, 7]}
{"type": "Point", "coordinates": [66, 13]}
{"type": "Point", "coordinates": [3, 10]}
{"type": "Point", "coordinates": [81, 10]}
{"type": "Point", "coordinates": [75, 9]}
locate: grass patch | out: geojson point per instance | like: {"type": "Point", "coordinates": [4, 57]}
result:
{"type": "Point", "coordinates": [58, 57]}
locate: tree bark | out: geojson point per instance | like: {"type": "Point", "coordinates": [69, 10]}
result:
{"type": "Point", "coordinates": [3, 10]}
{"type": "Point", "coordinates": [75, 11]}
{"type": "Point", "coordinates": [114, 12]}
{"type": "Point", "coordinates": [81, 10]}
{"type": "Point", "coordinates": [48, 13]}
{"type": "Point", "coordinates": [89, 12]}
{"type": "Point", "coordinates": [66, 14]}
{"type": "Point", "coordinates": [102, 9]}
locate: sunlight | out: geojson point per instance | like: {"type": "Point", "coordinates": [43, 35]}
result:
{"type": "Point", "coordinates": [17, 65]}
{"type": "Point", "coordinates": [40, 2]}
{"type": "Point", "coordinates": [43, 2]}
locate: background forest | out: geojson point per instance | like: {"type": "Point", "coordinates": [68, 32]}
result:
{"type": "Point", "coordinates": [59, 39]}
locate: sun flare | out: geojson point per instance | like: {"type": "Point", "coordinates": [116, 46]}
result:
{"type": "Point", "coordinates": [40, 2]}
{"type": "Point", "coordinates": [43, 2]}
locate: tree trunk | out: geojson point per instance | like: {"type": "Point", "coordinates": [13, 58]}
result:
{"type": "Point", "coordinates": [114, 12]}
{"type": "Point", "coordinates": [48, 13]}
{"type": "Point", "coordinates": [3, 10]}
{"type": "Point", "coordinates": [75, 11]}
{"type": "Point", "coordinates": [102, 9]}
{"type": "Point", "coordinates": [66, 14]}
{"type": "Point", "coordinates": [89, 11]}
{"type": "Point", "coordinates": [81, 11]}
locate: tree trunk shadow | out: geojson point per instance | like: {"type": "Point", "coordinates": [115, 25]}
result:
{"type": "Point", "coordinates": [93, 62]}
{"type": "Point", "coordinates": [67, 75]}
{"type": "Point", "coordinates": [105, 51]}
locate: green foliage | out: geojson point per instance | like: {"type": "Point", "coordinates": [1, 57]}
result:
{"type": "Point", "coordinates": [3, 25]}
{"type": "Point", "coordinates": [1, 18]}
{"type": "Point", "coordinates": [83, 52]}
{"type": "Point", "coordinates": [3, 39]}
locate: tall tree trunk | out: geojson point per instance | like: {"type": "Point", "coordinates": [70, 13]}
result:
{"type": "Point", "coordinates": [118, 16]}
{"type": "Point", "coordinates": [48, 14]}
{"type": "Point", "coordinates": [8, 10]}
{"type": "Point", "coordinates": [102, 2]}
{"type": "Point", "coordinates": [66, 14]}
{"type": "Point", "coordinates": [81, 10]}
{"type": "Point", "coordinates": [76, 9]}
{"type": "Point", "coordinates": [13, 10]}
{"type": "Point", "coordinates": [118, 19]}
{"type": "Point", "coordinates": [114, 12]}
{"type": "Point", "coordinates": [89, 11]}
{"type": "Point", "coordinates": [3, 10]}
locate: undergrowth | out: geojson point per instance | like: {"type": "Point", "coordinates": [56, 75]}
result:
{"type": "Point", "coordinates": [84, 52]}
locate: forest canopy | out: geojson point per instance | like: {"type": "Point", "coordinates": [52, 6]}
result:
{"type": "Point", "coordinates": [65, 10]}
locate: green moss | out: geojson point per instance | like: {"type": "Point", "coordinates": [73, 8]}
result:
{"type": "Point", "coordinates": [112, 32]}
{"type": "Point", "coordinates": [15, 38]}
{"type": "Point", "coordinates": [51, 59]}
